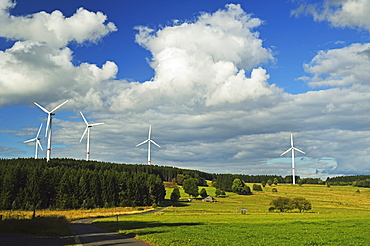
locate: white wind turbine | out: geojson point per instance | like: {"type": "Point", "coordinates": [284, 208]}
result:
{"type": "Point", "coordinates": [149, 141]}
{"type": "Point", "coordinates": [292, 148]}
{"type": "Point", "coordinates": [48, 126]}
{"type": "Point", "coordinates": [37, 141]}
{"type": "Point", "coordinates": [87, 129]}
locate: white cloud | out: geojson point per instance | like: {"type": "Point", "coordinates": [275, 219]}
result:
{"type": "Point", "coordinates": [202, 63]}
{"type": "Point", "coordinates": [54, 29]}
{"type": "Point", "coordinates": [340, 13]}
{"type": "Point", "coordinates": [340, 67]}
{"type": "Point", "coordinates": [210, 102]}
{"type": "Point", "coordinates": [31, 70]}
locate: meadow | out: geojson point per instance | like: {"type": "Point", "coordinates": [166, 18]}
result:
{"type": "Point", "coordinates": [339, 216]}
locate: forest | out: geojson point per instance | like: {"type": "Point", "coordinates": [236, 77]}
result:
{"type": "Point", "coordinates": [71, 184]}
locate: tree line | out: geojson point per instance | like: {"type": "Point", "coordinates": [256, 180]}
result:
{"type": "Point", "coordinates": [70, 184]}
{"type": "Point", "coordinates": [355, 180]}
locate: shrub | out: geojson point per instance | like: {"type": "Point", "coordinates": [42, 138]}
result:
{"type": "Point", "coordinates": [257, 187]}
{"type": "Point", "coordinates": [284, 204]}
{"type": "Point", "coordinates": [274, 190]}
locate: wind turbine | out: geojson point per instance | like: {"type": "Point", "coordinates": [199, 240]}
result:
{"type": "Point", "coordinates": [37, 141]}
{"type": "Point", "coordinates": [292, 148]}
{"type": "Point", "coordinates": [48, 125]}
{"type": "Point", "coordinates": [87, 129]}
{"type": "Point", "coordinates": [149, 141]}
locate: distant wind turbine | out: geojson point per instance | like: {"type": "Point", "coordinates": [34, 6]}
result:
{"type": "Point", "coordinates": [292, 148]}
{"type": "Point", "coordinates": [149, 141]}
{"type": "Point", "coordinates": [87, 129]}
{"type": "Point", "coordinates": [37, 141]}
{"type": "Point", "coordinates": [48, 126]}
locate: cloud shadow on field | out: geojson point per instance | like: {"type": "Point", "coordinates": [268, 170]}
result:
{"type": "Point", "coordinates": [135, 225]}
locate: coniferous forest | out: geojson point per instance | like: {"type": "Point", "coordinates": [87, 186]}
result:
{"type": "Point", "coordinates": [72, 184]}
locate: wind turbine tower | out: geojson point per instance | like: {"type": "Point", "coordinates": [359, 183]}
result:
{"type": "Point", "coordinates": [48, 126]}
{"type": "Point", "coordinates": [87, 129]}
{"type": "Point", "coordinates": [149, 140]}
{"type": "Point", "coordinates": [37, 141]}
{"type": "Point", "coordinates": [292, 148]}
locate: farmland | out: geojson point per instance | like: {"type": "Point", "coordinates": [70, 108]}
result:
{"type": "Point", "coordinates": [339, 216]}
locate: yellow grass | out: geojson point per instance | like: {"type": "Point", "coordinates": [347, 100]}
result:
{"type": "Point", "coordinates": [76, 214]}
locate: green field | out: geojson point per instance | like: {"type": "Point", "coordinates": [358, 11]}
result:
{"type": "Point", "coordinates": [339, 216]}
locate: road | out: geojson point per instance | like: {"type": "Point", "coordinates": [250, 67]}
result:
{"type": "Point", "coordinates": [89, 235]}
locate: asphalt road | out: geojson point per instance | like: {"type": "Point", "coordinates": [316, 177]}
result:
{"type": "Point", "coordinates": [89, 235]}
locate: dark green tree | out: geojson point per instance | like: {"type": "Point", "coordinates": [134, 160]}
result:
{"type": "Point", "coordinates": [203, 193]}
{"type": "Point", "coordinates": [190, 187]}
{"type": "Point", "coordinates": [281, 203]}
{"type": "Point", "coordinates": [300, 203]}
{"type": "Point", "coordinates": [240, 188]}
{"type": "Point", "coordinates": [175, 195]}
{"type": "Point", "coordinates": [218, 192]}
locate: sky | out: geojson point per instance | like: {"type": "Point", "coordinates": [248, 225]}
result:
{"type": "Point", "coordinates": [222, 83]}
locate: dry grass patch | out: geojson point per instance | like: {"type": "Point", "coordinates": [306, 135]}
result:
{"type": "Point", "coordinates": [75, 214]}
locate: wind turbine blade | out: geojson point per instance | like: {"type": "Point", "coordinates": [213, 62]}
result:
{"type": "Point", "coordinates": [42, 108]}
{"type": "Point", "coordinates": [155, 143]}
{"type": "Point", "coordinates": [38, 142]}
{"type": "Point", "coordinates": [150, 131]}
{"type": "Point", "coordinates": [286, 151]}
{"type": "Point", "coordinates": [142, 142]}
{"type": "Point", "coordinates": [84, 133]}
{"type": "Point", "coordinates": [291, 139]}
{"type": "Point", "coordinates": [27, 141]}
{"type": "Point", "coordinates": [47, 124]}
{"type": "Point", "coordinates": [58, 107]}
{"type": "Point", "coordinates": [299, 150]}
{"type": "Point", "coordinates": [38, 133]}
{"type": "Point", "coordinates": [83, 117]}
{"type": "Point", "coordinates": [96, 124]}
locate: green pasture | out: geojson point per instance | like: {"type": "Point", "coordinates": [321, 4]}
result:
{"type": "Point", "coordinates": [339, 216]}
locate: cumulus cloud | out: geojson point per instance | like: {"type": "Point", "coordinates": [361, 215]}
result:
{"type": "Point", "coordinates": [41, 66]}
{"type": "Point", "coordinates": [204, 62]}
{"type": "Point", "coordinates": [340, 67]}
{"type": "Point", "coordinates": [342, 13]}
{"type": "Point", "coordinates": [53, 29]}
{"type": "Point", "coordinates": [31, 69]}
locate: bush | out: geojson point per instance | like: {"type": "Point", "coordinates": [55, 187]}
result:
{"type": "Point", "coordinates": [257, 187]}
{"type": "Point", "coordinates": [284, 204]}
{"type": "Point", "coordinates": [274, 190]}
{"type": "Point", "coordinates": [301, 204]}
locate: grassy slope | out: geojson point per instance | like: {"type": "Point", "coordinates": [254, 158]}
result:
{"type": "Point", "coordinates": [339, 217]}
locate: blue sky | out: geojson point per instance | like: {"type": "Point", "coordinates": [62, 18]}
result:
{"type": "Point", "coordinates": [222, 83]}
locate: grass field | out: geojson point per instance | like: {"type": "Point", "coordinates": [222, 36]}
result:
{"type": "Point", "coordinates": [55, 222]}
{"type": "Point", "coordinates": [339, 216]}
